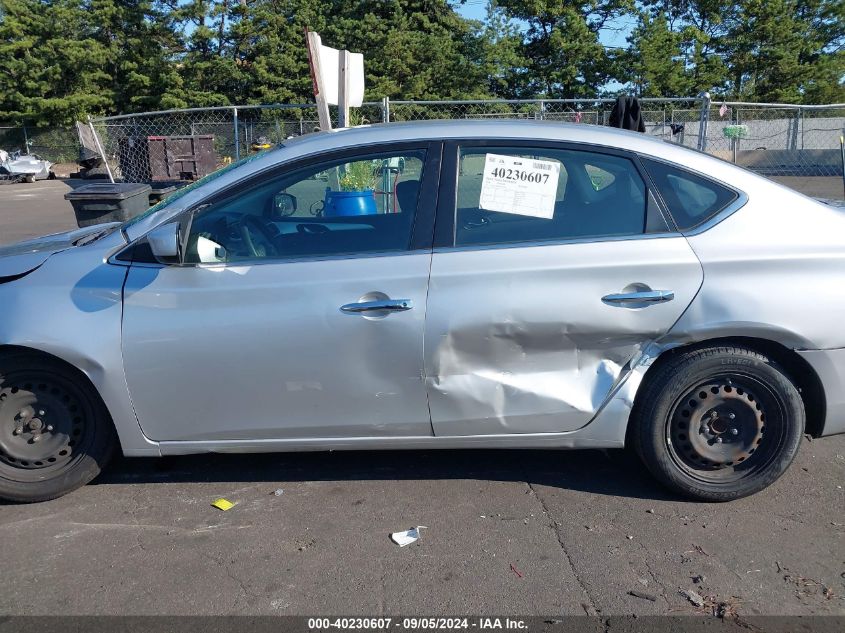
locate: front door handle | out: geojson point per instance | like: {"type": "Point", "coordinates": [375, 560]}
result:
{"type": "Point", "coordinates": [384, 305]}
{"type": "Point", "coordinates": [638, 299]}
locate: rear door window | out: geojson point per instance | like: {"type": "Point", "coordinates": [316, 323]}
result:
{"type": "Point", "coordinates": [522, 194]}
{"type": "Point", "coordinates": [691, 199]}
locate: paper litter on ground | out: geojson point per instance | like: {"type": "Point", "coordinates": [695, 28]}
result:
{"type": "Point", "coordinates": [407, 537]}
{"type": "Point", "coordinates": [223, 504]}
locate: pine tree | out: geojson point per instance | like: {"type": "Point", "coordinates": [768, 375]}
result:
{"type": "Point", "coordinates": [656, 63]}
{"type": "Point", "coordinates": [414, 49]}
{"type": "Point", "coordinates": [142, 42]}
{"type": "Point", "coordinates": [788, 50]}
{"type": "Point", "coordinates": [53, 68]}
{"type": "Point", "coordinates": [823, 54]}
{"type": "Point", "coordinates": [267, 44]}
{"type": "Point", "coordinates": [764, 51]}
{"type": "Point", "coordinates": [207, 75]}
{"type": "Point", "coordinates": [680, 44]}
{"type": "Point", "coordinates": [64, 59]}
{"type": "Point", "coordinates": [498, 47]}
{"type": "Point", "coordinates": [566, 57]}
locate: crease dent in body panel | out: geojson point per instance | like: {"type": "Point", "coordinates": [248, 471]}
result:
{"type": "Point", "coordinates": [518, 368]}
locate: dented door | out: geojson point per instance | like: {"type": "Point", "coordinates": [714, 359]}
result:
{"type": "Point", "coordinates": [554, 267]}
{"type": "Point", "coordinates": [520, 340]}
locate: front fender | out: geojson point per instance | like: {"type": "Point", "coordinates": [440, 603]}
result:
{"type": "Point", "coordinates": [71, 307]}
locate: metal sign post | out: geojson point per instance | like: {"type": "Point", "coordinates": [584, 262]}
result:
{"type": "Point", "coordinates": [343, 90]}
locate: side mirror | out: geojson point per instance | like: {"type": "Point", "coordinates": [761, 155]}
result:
{"type": "Point", "coordinates": [283, 205]}
{"type": "Point", "coordinates": [164, 243]}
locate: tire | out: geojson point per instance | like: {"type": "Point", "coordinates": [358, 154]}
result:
{"type": "Point", "coordinates": [55, 432]}
{"type": "Point", "coordinates": [683, 431]}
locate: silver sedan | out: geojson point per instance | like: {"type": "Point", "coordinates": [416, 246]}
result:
{"type": "Point", "coordinates": [435, 285]}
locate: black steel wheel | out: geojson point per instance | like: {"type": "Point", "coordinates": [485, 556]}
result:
{"type": "Point", "coordinates": [55, 433]}
{"type": "Point", "coordinates": [718, 423]}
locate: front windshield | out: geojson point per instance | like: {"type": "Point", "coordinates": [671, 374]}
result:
{"type": "Point", "coordinates": [180, 193]}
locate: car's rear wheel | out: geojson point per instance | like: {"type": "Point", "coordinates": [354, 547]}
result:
{"type": "Point", "coordinates": [55, 432]}
{"type": "Point", "coordinates": [718, 423]}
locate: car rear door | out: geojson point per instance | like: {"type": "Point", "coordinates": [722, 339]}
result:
{"type": "Point", "coordinates": [543, 288]}
{"type": "Point", "coordinates": [313, 332]}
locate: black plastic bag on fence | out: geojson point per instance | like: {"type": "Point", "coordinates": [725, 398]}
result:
{"type": "Point", "coordinates": [88, 158]}
{"type": "Point", "coordinates": [627, 114]}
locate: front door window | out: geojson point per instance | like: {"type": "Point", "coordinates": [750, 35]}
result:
{"type": "Point", "coordinates": [357, 205]}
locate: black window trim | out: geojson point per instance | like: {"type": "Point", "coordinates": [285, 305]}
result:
{"type": "Point", "coordinates": [740, 197]}
{"type": "Point", "coordinates": [445, 226]}
{"type": "Point", "coordinates": [422, 230]}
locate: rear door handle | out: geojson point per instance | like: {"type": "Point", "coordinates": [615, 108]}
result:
{"type": "Point", "coordinates": [633, 299]}
{"type": "Point", "coordinates": [388, 305]}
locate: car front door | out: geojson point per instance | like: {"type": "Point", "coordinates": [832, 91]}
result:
{"type": "Point", "coordinates": [553, 267]}
{"type": "Point", "coordinates": [297, 309]}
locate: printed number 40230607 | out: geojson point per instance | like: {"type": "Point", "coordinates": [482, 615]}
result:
{"type": "Point", "coordinates": [521, 175]}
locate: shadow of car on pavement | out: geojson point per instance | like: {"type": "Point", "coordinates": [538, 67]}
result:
{"type": "Point", "coordinates": [614, 473]}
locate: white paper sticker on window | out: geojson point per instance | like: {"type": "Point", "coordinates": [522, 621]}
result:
{"type": "Point", "coordinates": [523, 186]}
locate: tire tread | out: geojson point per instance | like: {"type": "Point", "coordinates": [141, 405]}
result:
{"type": "Point", "coordinates": [85, 470]}
{"type": "Point", "coordinates": [652, 396]}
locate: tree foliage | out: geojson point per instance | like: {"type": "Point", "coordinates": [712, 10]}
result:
{"type": "Point", "coordinates": [675, 48]}
{"type": "Point", "coordinates": [64, 59]}
{"type": "Point", "coordinates": [758, 50]}
{"type": "Point", "coordinates": [562, 51]}
{"type": "Point", "coordinates": [787, 50]}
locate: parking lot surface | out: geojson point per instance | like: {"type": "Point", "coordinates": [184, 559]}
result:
{"type": "Point", "coordinates": [28, 210]}
{"type": "Point", "coordinates": [529, 532]}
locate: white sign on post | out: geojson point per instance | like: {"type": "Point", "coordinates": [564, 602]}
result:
{"type": "Point", "coordinates": [522, 186]}
{"type": "Point", "coordinates": [338, 78]}
{"type": "Point", "coordinates": [330, 71]}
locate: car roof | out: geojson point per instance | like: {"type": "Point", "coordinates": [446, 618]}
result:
{"type": "Point", "coordinates": [657, 147]}
{"type": "Point", "coordinates": [507, 129]}
{"type": "Point", "coordinates": [482, 129]}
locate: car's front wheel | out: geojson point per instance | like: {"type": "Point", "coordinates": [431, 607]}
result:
{"type": "Point", "coordinates": [55, 432]}
{"type": "Point", "coordinates": [718, 423]}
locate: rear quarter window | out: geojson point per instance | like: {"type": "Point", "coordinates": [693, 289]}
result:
{"type": "Point", "coordinates": [691, 199]}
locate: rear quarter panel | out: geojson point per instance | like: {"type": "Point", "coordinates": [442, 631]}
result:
{"type": "Point", "coordinates": [774, 269]}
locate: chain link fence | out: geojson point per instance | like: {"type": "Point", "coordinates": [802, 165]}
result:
{"type": "Point", "coordinates": [778, 140]}
{"type": "Point", "coordinates": [772, 139]}
{"type": "Point", "coordinates": [674, 119]}
{"type": "Point", "coordinates": [56, 144]}
{"type": "Point", "coordinates": [178, 144]}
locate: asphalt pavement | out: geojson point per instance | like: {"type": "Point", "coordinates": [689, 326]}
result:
{"type": "Point", "coordinates": [508, 531]}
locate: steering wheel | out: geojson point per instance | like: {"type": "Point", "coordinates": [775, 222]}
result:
{"type": "Point", "coordinates": [257, 236]}
{"type": "Point", "coordinates": [312, 228]}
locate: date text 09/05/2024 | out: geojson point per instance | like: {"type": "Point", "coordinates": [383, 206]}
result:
{"type": "Point", "coordinates": [419, 623]}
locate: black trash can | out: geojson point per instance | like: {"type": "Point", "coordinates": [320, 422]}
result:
{"type": "Point", "coordinates": [108, 202]}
